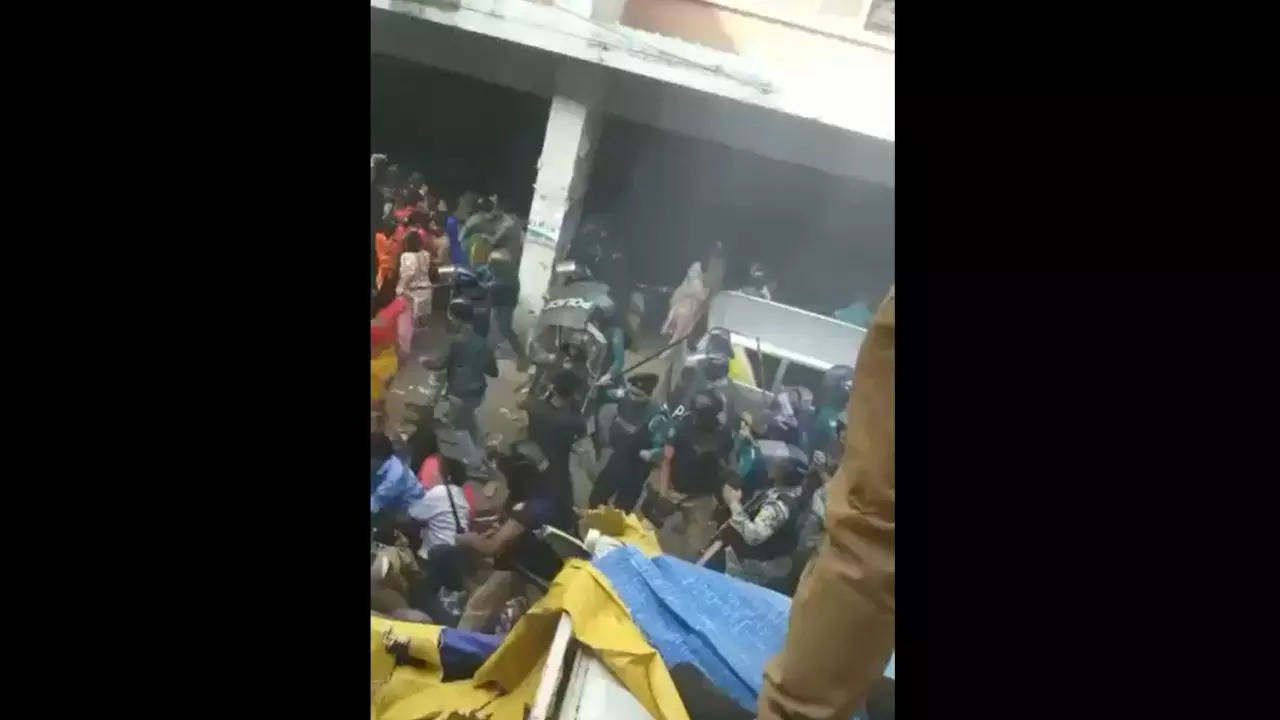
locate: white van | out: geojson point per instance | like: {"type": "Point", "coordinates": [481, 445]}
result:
{"type": "Point", "coordinates": [775, 345]}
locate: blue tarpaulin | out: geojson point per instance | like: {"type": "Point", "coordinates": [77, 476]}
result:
{"type": "Point", "coordinates": [462, 652]}
{"type": "Point", "coordinates": [726, 627]}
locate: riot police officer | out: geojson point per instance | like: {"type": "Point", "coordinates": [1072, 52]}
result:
{"type": "Point", "coordinates": [762, 541]}
{"type": "Point", "coordinates": [709, 371]}
{"type": "Point", "coordinates": [837, 384]}
{"type": "Point", "coordinates": [602, 325]}
{"type": "Point", "coordinates": [694, 467]}
{"type": "Point", "coordinates": [606, 319]}
{"type": "Point", "coordinates": [783, 422]}
{"type": "Point", "coordinates": [636, 434]}
{"type": "Point", "coordinates": [556, 425]}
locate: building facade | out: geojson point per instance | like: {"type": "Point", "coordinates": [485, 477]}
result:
{"type": "Point", "coordinates": [803, 82]}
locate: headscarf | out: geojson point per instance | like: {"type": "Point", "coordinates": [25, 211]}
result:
{"type": "Point", "coordinates": [693, 288]}
{"type": "Point", "coordinates": [686, 303]}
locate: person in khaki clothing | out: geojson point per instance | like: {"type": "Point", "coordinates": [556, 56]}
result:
{"type": "Point", "coordinates": [840, 633]}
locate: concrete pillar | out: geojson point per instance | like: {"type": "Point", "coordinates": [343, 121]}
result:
{"type": "Point", "coordinates": [567, 149]}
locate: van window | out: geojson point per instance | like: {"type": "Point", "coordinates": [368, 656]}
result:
{"type": "Point", "coordinates": [801, 376]}
{"type": "Point", "coordinates": [764, 365]}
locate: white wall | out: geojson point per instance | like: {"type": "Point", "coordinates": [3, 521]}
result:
{"type": "Point", "coordinates": [676, 109]}
{"type": "Point", "coordinates": [843, 84]}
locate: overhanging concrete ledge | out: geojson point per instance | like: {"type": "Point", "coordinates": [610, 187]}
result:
{"type": "Point", "coordinates": [858, 96]}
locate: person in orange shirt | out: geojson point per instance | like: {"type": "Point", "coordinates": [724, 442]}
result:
{"type": "Point", "coordinates": [388, 246]}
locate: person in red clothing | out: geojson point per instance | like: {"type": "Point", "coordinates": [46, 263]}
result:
{"type": "Point", "coordinates": [383, 361]}
{"type": "Point", "coordinates": [424, 450]}
{"type": "Point", "coordinates": [406, 202]}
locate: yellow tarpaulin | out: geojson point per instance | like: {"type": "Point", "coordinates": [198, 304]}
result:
{"type": "Point", "coordinates": [507, 681]}
{"type": "Point", "coordinates": [625, 526]}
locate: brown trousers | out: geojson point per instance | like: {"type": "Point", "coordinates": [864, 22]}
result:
{"type": "Point", "coordinates": [487, 600]}
{"type": "Point", "coordinates": [840, 633]}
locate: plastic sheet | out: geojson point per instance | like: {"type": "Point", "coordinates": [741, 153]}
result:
{"type": "Point", "coordinates": [508, 679]}
{"type": "Point", "coordinates": [601, 622]}
{"type": "Point", "coordinates": [728, 628]}
{"type": "Point", "coordinates": [463, 651]}
{"type": "Point", "coordinates": [624, 526]}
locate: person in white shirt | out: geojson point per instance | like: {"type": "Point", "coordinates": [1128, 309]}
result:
{"type": "Point", "coordinates": [442, 512]}
{"type": "Point", "coordinates": [414, 285]}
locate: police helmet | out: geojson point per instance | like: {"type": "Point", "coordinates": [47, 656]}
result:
{"type": "Point", "coordinates": [707, 404]}
{"type": "Point", "coordinates": [837, 383]}
{"type": "Point", "coordinates": [718, 340]}
{"type": "Point", "coordinates": [461, 310]}
{"type": "Point", "coordinates": [715, 366]}
{"type": "Point", "coordinates": [466, 279]}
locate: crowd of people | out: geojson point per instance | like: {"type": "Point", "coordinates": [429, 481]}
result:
{"type": "Point", "coordinates": [459, 523]}
{"type": "Point", "coordinates": [739, 494]}
{"type": "Point", "coordinates": [414, 236]}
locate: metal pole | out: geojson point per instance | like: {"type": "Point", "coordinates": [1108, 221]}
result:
{"type": "Point", "coordinates": [717, 543]}
{"type": "Point", "coordinates": [670, 345]}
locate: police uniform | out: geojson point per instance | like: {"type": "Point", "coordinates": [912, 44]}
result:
{"type": "Point", "coordinates": [761, 547]}
{"type": "Point", "coordinates": [697, 469]}
{"type": "Point", "coordinates": [761, 544]}
{"type": "Point", "coordinates": [639, 425]}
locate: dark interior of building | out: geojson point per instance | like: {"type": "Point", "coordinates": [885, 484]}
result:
{"type": "Point", "coordinates": [460, 133]}
{"type": "Point", "coordinates": [827, 238]}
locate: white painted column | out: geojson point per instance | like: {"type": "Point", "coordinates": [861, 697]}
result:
{"type": "Point", "coordinates": [567, 149]}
